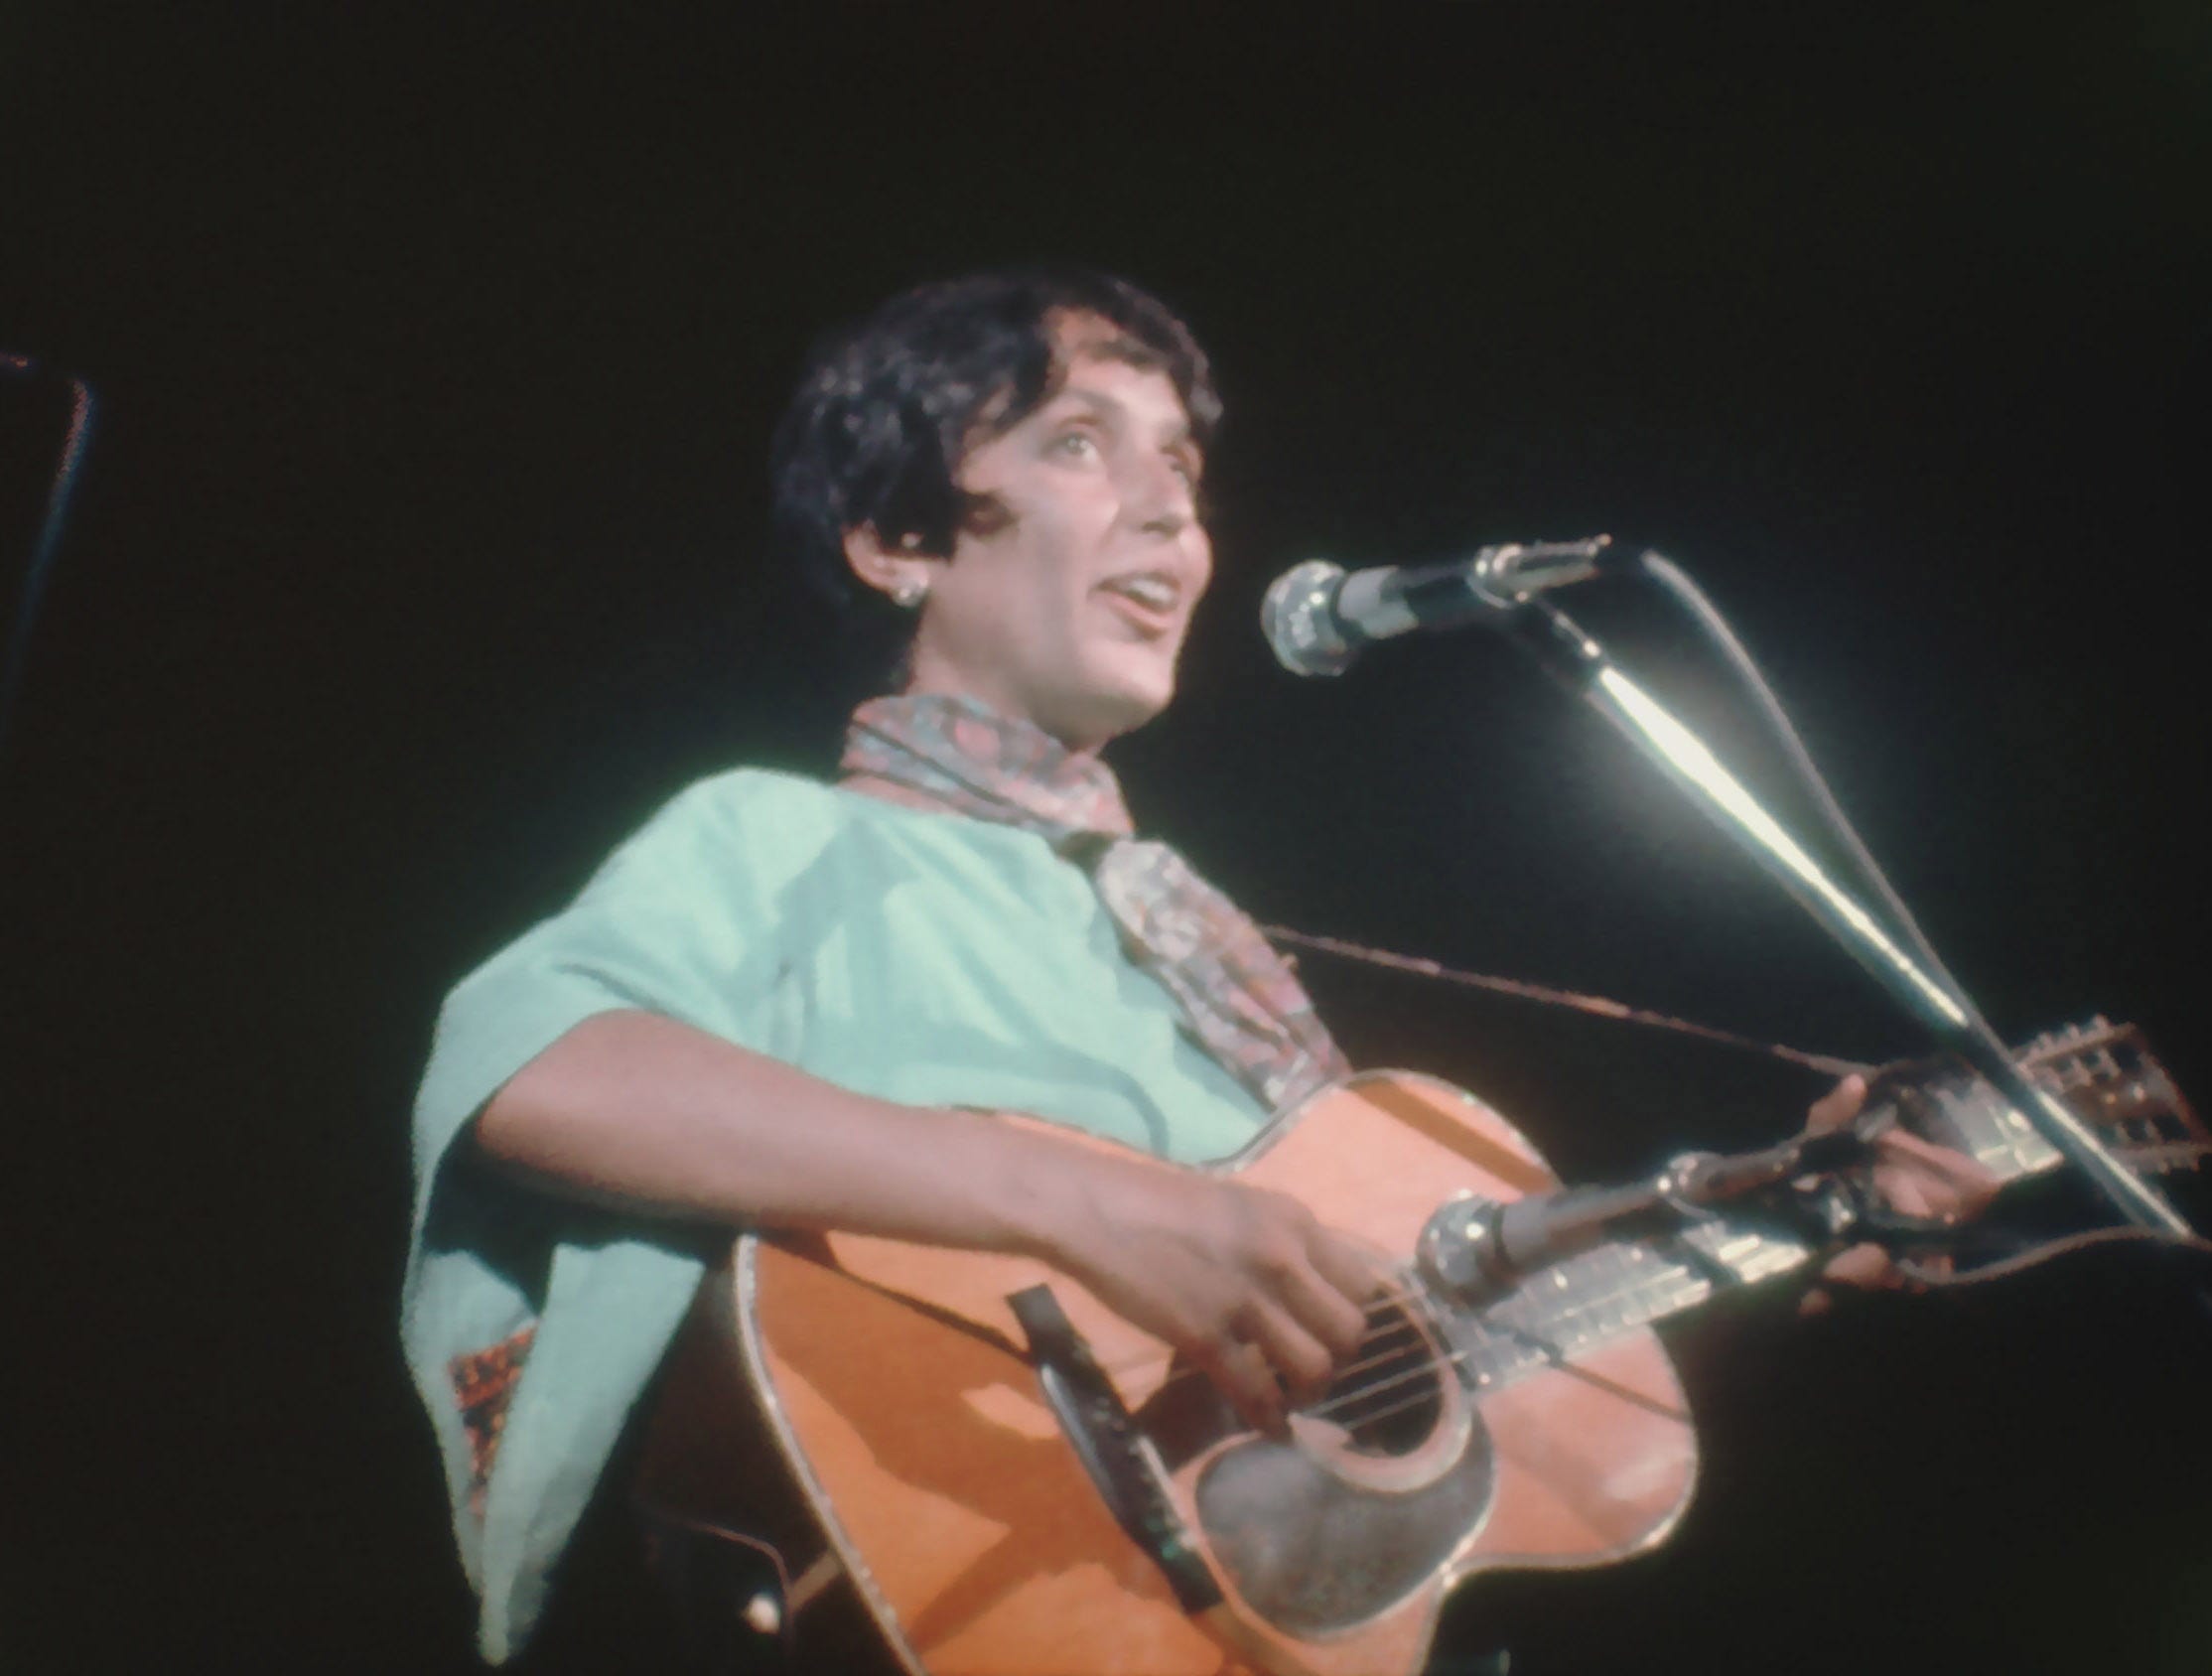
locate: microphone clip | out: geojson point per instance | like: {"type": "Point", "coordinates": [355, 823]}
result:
{"type": "Point", "coordinates": [1511, 572]}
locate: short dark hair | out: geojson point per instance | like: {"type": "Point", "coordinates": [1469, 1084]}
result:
{"type": "Point", "coordinates": [888, 408]}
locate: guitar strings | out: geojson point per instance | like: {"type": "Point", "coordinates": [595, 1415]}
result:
{"type": "Point", "coordinates": [1404, 1305]}
{"type": "Point", "coordinates": [1396, 1312]}
{"type": "Point", "coordinates": [1391, 1308]}
{"type": "Point", "coordinates": [1553, 1356]}
{"type": "Point", "coordinates": [1377, 1349]}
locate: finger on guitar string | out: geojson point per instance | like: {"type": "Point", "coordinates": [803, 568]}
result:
{"type": "Point", "coordinates": [1272, 1356]}
{"type": "Point", "coordinates": [1914, 1177]}
{"type": "Point", "coordinates": [1836, 1109]}
{"type": "Point", "coordinates": [1388, 1332]}
{"type": "Point", "coordinates": [1247, 1378]}
{"type": "Point", "coordinates": [1945, 1183]}
{"type": "Point", "coordinates": [1911, 1176]}
{"type": "Point", "coordinates": [1245, 1282]}
{"type": "Point", "coordinates": [1327, 1287]}
{"type": "Point", "coordinates": [1392, 1335]}
{"type": "Point", "coordinates": [1354, 1271]}
{"type": "Point", "coordinates": [1869, 1267]}
{"type": "Point", "coordinates": [1861, 1266]}
{"type": "Point", "coordinates": [1298, 1362]}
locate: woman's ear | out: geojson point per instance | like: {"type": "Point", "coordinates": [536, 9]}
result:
{"type": "Point", "coordinates": [900, 573]}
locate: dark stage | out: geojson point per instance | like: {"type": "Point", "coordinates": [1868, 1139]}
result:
{"type": "Point", "coordinates": [415, 560]}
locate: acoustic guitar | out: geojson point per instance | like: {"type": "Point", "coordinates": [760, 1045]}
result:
{"type": "Point", "coordinates": [1015, 1481]}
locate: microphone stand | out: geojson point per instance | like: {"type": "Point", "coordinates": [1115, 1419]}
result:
{"type": "Point", "coordinates": [1579, 665]}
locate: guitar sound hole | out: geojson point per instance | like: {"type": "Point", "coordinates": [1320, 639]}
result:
{"type": "Point", "coordinates": [1390, 1397]}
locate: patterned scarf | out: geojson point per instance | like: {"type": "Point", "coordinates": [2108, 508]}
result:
{"type": "Point", "coordinates": [1240, 1000]}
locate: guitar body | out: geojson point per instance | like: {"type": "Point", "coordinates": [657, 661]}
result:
{"type": "Point", "coordinates": [903, 1406]}
{"type": "Point", "coordinates": [933, 1418]}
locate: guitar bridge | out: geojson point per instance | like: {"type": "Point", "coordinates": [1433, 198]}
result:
{"type": "Point", "coordinates": [1109, 1444]}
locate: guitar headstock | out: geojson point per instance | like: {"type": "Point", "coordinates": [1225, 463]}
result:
{"type": "Point", "coordinates": [2105, 1073]}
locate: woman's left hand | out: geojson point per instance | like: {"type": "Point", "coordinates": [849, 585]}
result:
{"type": "Point", "coordinates": [1913, 1177]}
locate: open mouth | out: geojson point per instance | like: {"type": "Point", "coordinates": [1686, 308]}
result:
{"type": "Point", "coordinates": [1150, 599]}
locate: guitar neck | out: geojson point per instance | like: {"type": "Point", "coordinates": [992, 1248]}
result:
{"type": "Point", "coordinates": [2105, 1073]}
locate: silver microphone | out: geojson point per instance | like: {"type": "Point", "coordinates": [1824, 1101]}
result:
{"type": "Point", "coordinates": [1317, 617]}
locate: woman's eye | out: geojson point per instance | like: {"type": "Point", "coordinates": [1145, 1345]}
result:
{"type": "Point", "coordinates": [1076, 444]}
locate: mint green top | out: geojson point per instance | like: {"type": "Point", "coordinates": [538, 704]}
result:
{"type": "Point", "coordinates": [926, 959]}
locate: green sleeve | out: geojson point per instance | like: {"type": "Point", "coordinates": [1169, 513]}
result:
{"type": "Point", "coordinates": [682, 920]}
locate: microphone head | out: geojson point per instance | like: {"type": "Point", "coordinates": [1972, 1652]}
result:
{"type": "Point", "coordinates": [1299, 619]}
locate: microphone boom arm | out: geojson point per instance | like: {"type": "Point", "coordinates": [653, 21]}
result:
{"type": "Point", "coordinates": [1579, 665]}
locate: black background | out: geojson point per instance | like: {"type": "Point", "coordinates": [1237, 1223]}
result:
{"type": "Point", "coordinates": [416, 560]}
